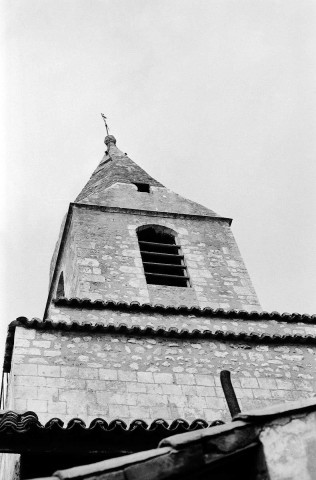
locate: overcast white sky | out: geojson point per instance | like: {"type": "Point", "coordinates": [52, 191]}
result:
{"type": "Point", "coordinates": [215, 99]}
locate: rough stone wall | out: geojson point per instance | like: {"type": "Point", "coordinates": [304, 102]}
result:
{"type": "Point", "coordinates": [69, 374]}
{"type": "Point", "coordinates": [289, 447]}
{"type": "Point", "coordinates": [109, 266]}
{"type": "Point", "coordinates": [10, 466]}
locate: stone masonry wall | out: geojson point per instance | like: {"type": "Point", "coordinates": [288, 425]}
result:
{"type": "Point", "coordinates": [10, 466]}
{"type": "Point", "coordinates": [109, 266]}
{"type": "Point", "coordinates": [289, 445]}
{"type": "Point", "coordinates": [89, 375]}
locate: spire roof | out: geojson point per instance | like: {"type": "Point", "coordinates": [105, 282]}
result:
{"type": "Point", "coordinates": [118, 181]}
{"type": "Point", "coordinates": [115, 167]}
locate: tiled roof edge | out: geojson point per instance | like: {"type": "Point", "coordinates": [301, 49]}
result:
{"type": "Point", "coordinates": [148, 330]}
{"type": "Point", "coordinates": [183, 310]}
{"type": "Point", "coordinates": [20, 423]}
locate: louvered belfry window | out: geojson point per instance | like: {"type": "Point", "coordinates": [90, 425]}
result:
{"type": "Point", "coordinates": [162, 258]}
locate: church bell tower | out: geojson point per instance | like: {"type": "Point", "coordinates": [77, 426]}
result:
{"type": "Point", "coordinates": [127, 238]}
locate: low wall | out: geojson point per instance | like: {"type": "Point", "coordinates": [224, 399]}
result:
{"type": "Point", "coordinates": [70, 374]}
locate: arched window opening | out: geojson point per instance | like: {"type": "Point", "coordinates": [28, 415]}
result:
{"type": "Point", "coordinates": [162, 258]}
{"type": "Point", "coordinates": [60, 292]}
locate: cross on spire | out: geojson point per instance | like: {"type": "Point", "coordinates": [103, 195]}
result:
{"type": "Point", "coordinates": [106, 125]}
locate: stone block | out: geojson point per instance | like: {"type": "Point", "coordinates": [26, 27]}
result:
{"type": "Point", "coordinates": [178, 401]}
{"type": "Point", "coordinates": [263, 393]}
{"type": "Point", "coordinates": [88, 373]}
{"type": "Point", "coordinates": [56, 408]}
{"type": "Point", "coordinates": [304, 385]}
{"type": "Point", "coordinates": [26, 369]}
{"type": "Point", "coordinates": [41, 343]}
{"type": "Point", "coordinates": [161, 412]}
{"type": "Point", "coordinates": [28, 333]}
{"type": "Point", "coordinates": [57, 382]}
{"type": "Point", "coordinates": [77, 383]}
{"type": "Point", "coordinates": [124, 399]}
{"type": "Point", "coordinates": [136, 387]}
{"type": "Point", "coordinates": [29, 381]}
{"type": "Point", "coordinates": [98, 410]}
{"type": "Point", "coordinates": [215, 403]}
{"type": "Point", "coordinates": [154, 388]}
{"type": "Point", "coordinates": [204, 391]}
{"type": "Point", "coordinates": [94, 385]}
{"type": "Point", "coordinates": [49, 371]}
{"type": "Point", "coordinates": [189, 389]}
{"type": "Point", "coordinates": [284, 384]}
{"type": "Point", "coordinates": [196, 402]}
{"type": "Point", "coordinates": [172, 389]}
{"type": "Point", "coordinates": [107, 374]}
{"type": "Point", "coordinates": [212, 414]}
{"type": "Point", "coordinates": [69, 372]}
{"type": "Point", "coordinates": [243, 393]}
{"type": "Point", "coordinates": [25, 392]}
{"type": "Point", "coordinates": [185, 378]}
{"type": "Point", "coordinates": [39, 406]}
{"type": "Point", "coordinates": [20, 404]}
{"type": "Point", "coordinates": [249, 382]}
{"type": "Point", "coordinates": [118, 411]}
{"type": "Point", "coordinates": [267, 383]}
{"type": "Point", "coordinates": [143, 413]}
{"type": "Point", "coordinates": [145, 377]}
{"type": "Point", "coordinates": [151, 400]}
{"type": "Point", "coordinates": [205, 380]}
{"type": "Point", "coordinates": [77, 401]}
{"type": "Point", "coordinates": [22, 342]}
{"type": "Point", "coordinates": [47, 393]}
{"type": "Point", "coordinates": [52, 353]}
{"type": "Point", "coordinates": [282, 394]}
{"type": "Point", "coordinates": [104, 397]}
{"type": "Point", "coordinates": [27, 351]}
{"type": "Point", "coordinates": [166, 378]}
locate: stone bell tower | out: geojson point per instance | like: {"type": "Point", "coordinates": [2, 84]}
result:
{"type": "Point", "coordinates": [128, 238]}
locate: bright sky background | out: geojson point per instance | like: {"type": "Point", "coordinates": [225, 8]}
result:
{"type": "Point", "coordinates": [215, 99]}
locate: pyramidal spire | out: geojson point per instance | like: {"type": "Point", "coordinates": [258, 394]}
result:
{"type": "Point", "coordinates": [115, 168]}
{"type": "Point", "coordinates": [119, 182]}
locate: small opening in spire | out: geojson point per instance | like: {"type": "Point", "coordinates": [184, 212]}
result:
{"type": "Point", "coordinates": [143, 187]}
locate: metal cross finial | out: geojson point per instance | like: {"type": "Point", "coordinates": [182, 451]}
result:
{"type": "Point", "coordinates": [106, 125]}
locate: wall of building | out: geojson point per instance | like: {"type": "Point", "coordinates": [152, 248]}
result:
{"type": "Point", "coordinates": [289, 445]}
{"type": "Point", "coordinates": [10, 466]}
{"type": "Point", "coordinates": [69, 374]}
{"type": "Point", "coordinates": [108, 264]}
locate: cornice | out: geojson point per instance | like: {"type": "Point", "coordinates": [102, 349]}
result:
{"type": "Point", "coordinates": [151, 213]}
